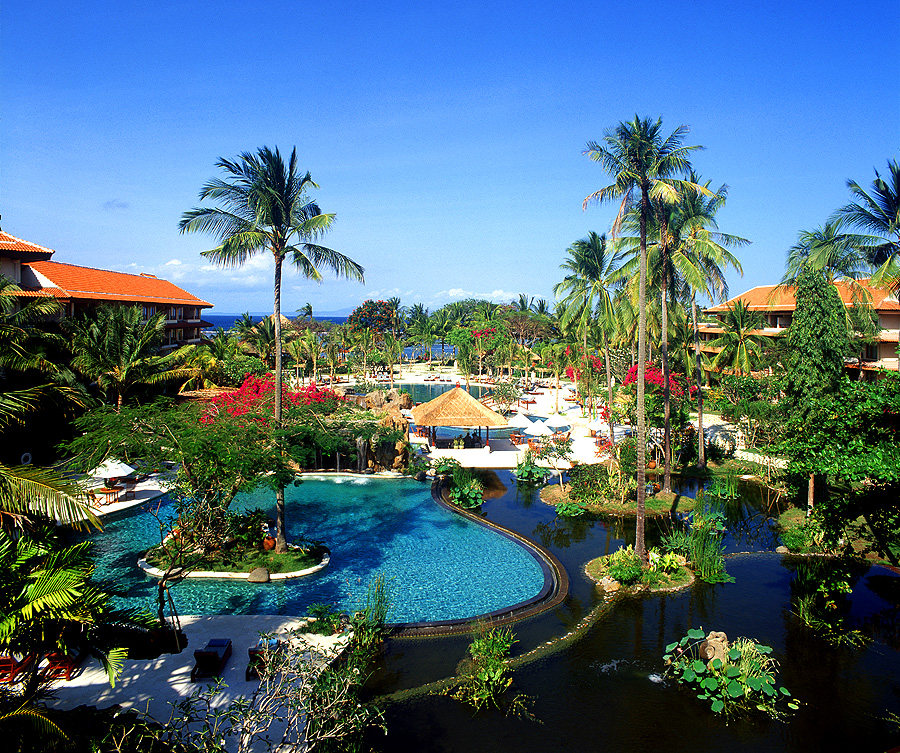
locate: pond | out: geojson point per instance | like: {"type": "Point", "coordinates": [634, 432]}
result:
{"type": "Point", "coordinates": [439, 566]}
{"type": "Point", "coordinates": [597, 693]}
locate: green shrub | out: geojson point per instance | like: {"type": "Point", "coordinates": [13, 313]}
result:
{"type": "Point", "coordinates": [445, 465]}
{"type": "Point", "coordinates": [626, 452]}
{"type": "Point", "coordinates": [705, 540]}
{"type": "Point", "coordinates": [625, 566]}
{"type": "Point", "coordinates": [663, 562]}
{"type": "Point", "coordinates": [677, 541]}
{"type": "Point", "coordinates": [327, 619]}
{"type": "Point", "coordinates": [247, 528]}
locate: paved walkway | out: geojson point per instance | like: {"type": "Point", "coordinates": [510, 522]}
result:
{"type": "Point", "coordinates": [151, 686]}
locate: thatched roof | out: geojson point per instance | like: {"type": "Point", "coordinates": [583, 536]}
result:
{"type": "Point", "coordinates": [456, 408]}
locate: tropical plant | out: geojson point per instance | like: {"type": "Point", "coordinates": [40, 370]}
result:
{"type": "Point", "coordinates": [741, 346]}
{"type": "Point", "coordinates": [264, 205]}
{"type": "Point", "coordinates": [118, 349]}
{"type": "Point", "coordinates": [877, 211]}
{"type": "Point", "coordinates": [740, 681]}
{"type": "Point", "coordinates": [488, 676]}
{"type": "Point", "coordinates": [587, 292]}
{"type": "Point", "coordinates": [466, 488]}
{"type": "Point", "coordinates": [640, 160]}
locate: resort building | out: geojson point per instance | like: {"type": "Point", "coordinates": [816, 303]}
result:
{"type": "Point", "coordinates": [81, 289]}
{"type": "Point", "coordinates": [776, 304]}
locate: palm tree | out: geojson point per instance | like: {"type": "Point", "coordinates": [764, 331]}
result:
{"type": "Point", "coordinates": [878, 212]}
{"type": "Point", "coordinates": [587, 291]}
{"type": "Point", "coordinates": [741, 346]}
{"type": "Point", "coordinates": [118, 349]}
{"type": "Point", "coordinates": [261, 340]}
{"type": "Point", "coordinates": [640, 160]}
{"type": "Point", "coordinates": [264, 205]}
{"type": "Point", "coordinates": [243, 325]}
{"type": "Point", "coordinates": [305, 311]}
{"type": "Point", "coordinates": [829, 250]}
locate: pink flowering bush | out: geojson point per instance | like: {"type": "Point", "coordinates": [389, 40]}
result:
{"type": "Point", "coordinates": [257, 395]}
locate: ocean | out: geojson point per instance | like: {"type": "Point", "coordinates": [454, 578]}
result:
{"type": "Point", "coordinates": [226, 321]}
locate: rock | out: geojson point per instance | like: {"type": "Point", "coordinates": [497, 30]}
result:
{"type": "Point", "coordinates": [405, 401]}
{"type": "Point", "coordinates": [782, 550]}
{"type": "Point", "coordinates": [394, 419]}
{"type": "Point", "coordinates": [714, 647]}
{"type": "Point", "coordinates": [421, 476]}
{"type": "Point", "coordinates": [375, 399]}
{"type": "Point", "coordinates": [259, 575]}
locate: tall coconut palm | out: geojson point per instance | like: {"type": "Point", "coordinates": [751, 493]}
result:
{"type": "Point", "coordinates": [877, 212]}
{"type": "Point", "coordinates": [587, 292]}
{"type": "Point", "coordinates": [741, 345]}
{"type": "Point", "coordinates": [829, 250]}
{"type": "Point", "coordinates": [305, 311]}
{"type": "Point", "coordinates": [640, 161]}
{"type": "Point", "coordinates": [119, 350]}
{"type": "Point", "coordinates": [264, 206]}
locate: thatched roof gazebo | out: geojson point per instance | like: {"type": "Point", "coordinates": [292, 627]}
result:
{"type": "Point", "coordinates": [456, 407]}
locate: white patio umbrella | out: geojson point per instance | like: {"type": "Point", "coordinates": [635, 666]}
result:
{"type": "Point", "coordinates": [557, 422]}
{"type": "Point", "coordinates": [520, 421]}
{"type": "Point", "coordinates": [539, 429]}
{"type": "Point", "coordinates": [112, 468]}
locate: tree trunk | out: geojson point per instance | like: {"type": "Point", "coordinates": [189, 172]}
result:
{"type": "Point", "coordinates": [609, 395]}
{"type": "Point", "coordinates": [810, 494]}
{"type": "Point", "coordinates": [639, 545]}
{"type": "Point", "coordinates": [280, 536]}
{"type": "Point", "coordinates": [698, 373]}
{"type": "Point", "coordinates": [667, 397]}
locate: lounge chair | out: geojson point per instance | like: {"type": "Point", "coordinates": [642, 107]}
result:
{"type": "Point", "coordinates": [259, 654]}
{"type": "Point", "coordinates": [129, 492]}
{"type": "Point", "coordinates": [10, 667]}
{"type": "Point", "coordinates": [60, 666]}
{"type": "Point", "coordinates": [211, 659]}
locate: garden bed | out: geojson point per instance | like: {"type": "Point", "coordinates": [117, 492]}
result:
{"type": "Point", "coordinates": [661, 503]}
{"type": "Point", "coordinates": [651, 580]}
{"type": "Point", "coordinates": [239, 562]}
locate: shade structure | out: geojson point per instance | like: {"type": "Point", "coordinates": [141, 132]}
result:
{"type": "Point", "coordinates": [539, 429]}
{"type": "Point", "coordinates": [520, 421]}
{"type": "Point", "coordinates": [112, 468]}
{"type": "Point", "coordinates": [557, 422]}
{"type": "Point", "coordinates": [456, 407]}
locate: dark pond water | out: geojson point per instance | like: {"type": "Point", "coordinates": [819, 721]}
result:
{"type": "Point", "coordinates": [596, 694]}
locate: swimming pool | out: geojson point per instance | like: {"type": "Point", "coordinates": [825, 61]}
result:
{"type": "Point", "coordinates": [439, 565]}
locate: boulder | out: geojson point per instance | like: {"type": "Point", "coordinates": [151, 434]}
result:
{"type": "Point", "coordinates": [405, 401]}
{"type": "Point", "coordinates": [714, 647]}
{"type": "Point", "coordinates": [782, 550]}
{"type": "Point", "coordinates": [259, 575]}
{"type": "Point", "coordinates": [375, 399]}
{"type": "Point", "coordinates": [394, 419]}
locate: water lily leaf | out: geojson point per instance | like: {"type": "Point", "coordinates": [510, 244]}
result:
{"type": "Point", "coordinates": [709, 683]}
{"type": "Point", "coordinates": [718, 705]}
{"type": "Point", "coordinates": [754, 683]}
{"type": "Point", "coordinates": [689, 675]}
{"type": "Point", "coordinates": [695, 634]}
{"type": "Point", "coordinates": [734, 654]}
{"type": "Point", "coordinates": [671, 647]}
{"type": "Point", "coordinates": [784, 691]}
{"type": "Point", "coordinates": [735, 689]}
{"type": "Point", "coordinates": [763, 649]}
{"type": "Point", "coordinates": [793, 706]}
{"type": "Point", "coordinates": [717, 663]}
{"type": "Point", "coordinates": [768, 689]}
{"type": "Point", "coordinates": [732, 672]}
{"type": "Point", "coordinates": [698, 666]}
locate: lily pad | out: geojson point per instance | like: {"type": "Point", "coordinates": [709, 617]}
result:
{"type": "Point", "coordinates": [695, 634]}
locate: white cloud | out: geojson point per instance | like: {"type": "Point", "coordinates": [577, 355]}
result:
{"type": "Point", "coordinates": [174, 263]}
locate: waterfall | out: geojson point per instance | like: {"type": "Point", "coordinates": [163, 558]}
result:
{"type": "Point", "coordinates": [362, 451]}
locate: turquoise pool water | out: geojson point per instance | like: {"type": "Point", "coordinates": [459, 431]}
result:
{"type": "Point", "coordinates": [422, 393]}
{"type": "Point", "coordinates": [440, 566]}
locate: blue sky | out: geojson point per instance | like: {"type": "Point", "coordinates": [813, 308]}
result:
{"type": "Point", "coordinates": [447, 138]}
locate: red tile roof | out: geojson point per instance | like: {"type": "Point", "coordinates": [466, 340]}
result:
{"type": "Point", "coordinates": [19, 249]}
{"type": "Point", "coordinates": [70, 281]}
{"type": "Point", "coordinates": [781, 298]}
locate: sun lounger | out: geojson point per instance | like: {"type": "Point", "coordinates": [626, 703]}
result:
{"type": "Point", "coordinates": [211, 659]}
{"type": "Point", "coordinates": [10, 667]}
{"type": "Point", "coordinates": [60, 666]}
{"type": "Point", "coordinates": [259, 654]}
{"type": "Point", "coordinates": [129, 491]}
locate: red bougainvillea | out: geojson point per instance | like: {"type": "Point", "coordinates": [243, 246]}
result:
{"type": "Point", "coordinates": [654, 376]}
{"type": "Point", "coordinates": [258, 393]}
